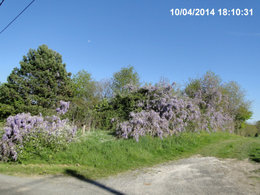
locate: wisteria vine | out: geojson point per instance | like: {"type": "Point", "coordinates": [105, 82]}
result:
{"type": "Point", "coordinates": [164, 113]}
{"type": "Point", "coordinates": [21, 126]}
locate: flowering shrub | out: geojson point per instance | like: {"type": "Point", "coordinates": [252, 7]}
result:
{"type": "Point", "coordinates": [207, 94]}
{"type": "Point", "coordinates": [43, 132]}
{"type": "Point", "coordinates": [118, 108]}
{"type": "Point", "coordinates": [64, 107]}
{"type": "Point", "coordinates": [163, 114]}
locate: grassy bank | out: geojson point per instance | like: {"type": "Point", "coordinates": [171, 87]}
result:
{"type": "Point", "coordinates": [98, 154]}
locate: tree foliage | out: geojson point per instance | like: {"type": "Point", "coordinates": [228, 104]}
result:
{"type": "Point", "coordinates": [236, 105]}
{"type": "Point", "coordinates": [227, 97]}
{"type": "Point", "coordinates": [105, 90]}
{"type": "Point", "coordinates": [86, 96]}
{"type": "Point", "coordinates": [39, 83]}
{"type": "Point", "coordinates": [124, 77]}
{"type": "Point", "coordinates": [248, 130]}
{"type": "Point", "coordinates": [84, 87]}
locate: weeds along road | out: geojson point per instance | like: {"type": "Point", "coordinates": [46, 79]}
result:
{"type": "Point", "coordinates": [195, 175]}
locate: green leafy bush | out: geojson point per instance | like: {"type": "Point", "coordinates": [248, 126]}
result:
{"type": "Point", "coordinates": [118, 108]}
{"type": "Point", "coordinates": [255, 155]}
{"type": "Point", "coordinates": [6, 110]}
{"type": "Point", "coordinates": [41, 143]}
{"type": "Point", "coordinates": [248, 130]}
{"type": "Point", "coordinates": [26, 135]}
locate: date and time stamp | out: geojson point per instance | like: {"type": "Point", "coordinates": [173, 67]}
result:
{"type": "Point", "coordinates": [211, 12]}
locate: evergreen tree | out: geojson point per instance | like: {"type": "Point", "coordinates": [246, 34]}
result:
{"type": "Point", "coordinates": [39, 83]}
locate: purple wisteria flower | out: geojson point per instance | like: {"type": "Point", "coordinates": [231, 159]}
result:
{"type": "Point", "coordinates": [165, 114]}
{"type": "Point", "coordinates": [64, 107]}
{"type": "Point", "coordinates": [20, 127]}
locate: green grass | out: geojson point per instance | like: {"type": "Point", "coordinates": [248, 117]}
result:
{"type": "Point", "coordinates": [237, 147]}
{"type": "Point", "coordinates": [255, 154]}
{"type": "Point", "coordinates": [99, 154]}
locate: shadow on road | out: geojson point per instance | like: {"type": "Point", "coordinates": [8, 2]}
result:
{"type": "Point", "coordinates": [82, 178]}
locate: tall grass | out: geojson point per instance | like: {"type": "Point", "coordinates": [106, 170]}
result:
{"type": "Point", "coordinates": [99, 154]}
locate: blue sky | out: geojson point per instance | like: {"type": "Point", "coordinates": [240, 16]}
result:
{"type": "Point", "coordinates": [102, 36]}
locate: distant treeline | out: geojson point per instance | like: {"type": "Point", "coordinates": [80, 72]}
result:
{"type": "Point", "coordinates": [41, 81]}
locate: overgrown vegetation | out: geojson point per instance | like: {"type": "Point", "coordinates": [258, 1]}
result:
{"type": "Point", "coordinates": [165, 122]}
{"type": "Point", "coordinates": [26, 135]}
{"type": "Point", "coordinates": [99, 154]}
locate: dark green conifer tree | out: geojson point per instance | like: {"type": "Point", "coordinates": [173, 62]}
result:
{"type": "Point", "coordinates": [39, 83]}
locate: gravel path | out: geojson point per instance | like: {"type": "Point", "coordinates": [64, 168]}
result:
{"type": "Point", "coordinates": [195, 175]}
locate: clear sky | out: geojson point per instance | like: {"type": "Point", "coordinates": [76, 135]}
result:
{"type": "Point", "coordinates": [102, 36]}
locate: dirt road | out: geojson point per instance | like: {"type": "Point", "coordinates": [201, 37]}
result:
{"type": "Point", "coordinates": [195, 175]}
